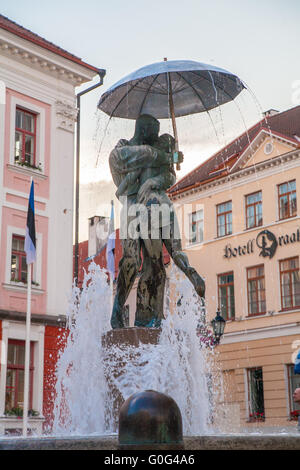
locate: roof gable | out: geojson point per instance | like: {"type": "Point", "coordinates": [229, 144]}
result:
{"type": "Point", "coordinates": [264, 146]}
{"type": "Point", "coordinates": [284, 125]}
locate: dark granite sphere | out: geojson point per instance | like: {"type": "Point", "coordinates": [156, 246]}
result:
{"type": "Point", "coordinates": [150, 418]}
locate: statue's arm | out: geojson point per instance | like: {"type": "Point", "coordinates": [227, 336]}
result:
{"type": "Point", "coordinates": [135, 157]}
{"type": "Point", "coordinates": [160, 182]}
{"type": "Point", "coordinates": [164, 180]}
{"type": "Point", "coordinates": [127, 180]}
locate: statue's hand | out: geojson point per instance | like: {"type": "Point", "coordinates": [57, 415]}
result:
{"type": "Point", "coordinates": [177, 157]}
{"type": "Point", "coordinates": [145, 190]}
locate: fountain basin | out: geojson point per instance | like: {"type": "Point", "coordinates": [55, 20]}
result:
{"type": "Point", "coordinates": [202, 442]}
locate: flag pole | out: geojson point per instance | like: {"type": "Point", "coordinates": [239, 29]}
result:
{"type": "Point", "coordinates": [30, 249]}
{"type": "Point", "coordinates": [27, 352]}
{"type": "Point", "coordinates": [111, 282]}
{"type": "Point", "coordinates": [110, 257]}
{"type": "Point", "coordinates": [112, 273]}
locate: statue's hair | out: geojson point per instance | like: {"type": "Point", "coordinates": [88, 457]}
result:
{"type": "Point", "coordinates": [141, 116]}
{"type": "Point", "coordinates": [138, 123]}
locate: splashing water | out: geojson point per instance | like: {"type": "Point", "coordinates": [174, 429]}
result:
{"type": "Point", "coordinates": [81, 388]}
{"type": "Point", "coordinates": [178, 365]}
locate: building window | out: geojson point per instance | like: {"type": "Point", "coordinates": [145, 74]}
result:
{"type": "Point", "coordinates": [224, 219]}
{"type": "Point", "coordinates": [287, 200]}
{"type": "Point", "coordinates": [14, 398]}
{"type": "Point", "coordinates": [196, 227]}
{"type": "Point", "coordinates": [293, 383]}
{"type": "Point", "coordinates": [256, 394]}
{"type": "Point", "coordinates": [290, 283]}
{"type": "Point", "coordinates": [226, 295]}
{"type": "Point", "coordinates": [18, 260]}
{"type": "Point", "coordinates": [25, 138]}
{"type": "Point", "coordinates": [256, 290]}
{"type": "Point", "coordinates": [254, 210]}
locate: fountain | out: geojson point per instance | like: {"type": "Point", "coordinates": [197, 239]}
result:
{"type": "Point", "coordinates": [165, 352]}
{"type": "Point", "coordinates": [176, 363]}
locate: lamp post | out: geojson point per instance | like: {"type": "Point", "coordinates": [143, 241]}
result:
{"type": "Point", "coordinates": [218, 324]}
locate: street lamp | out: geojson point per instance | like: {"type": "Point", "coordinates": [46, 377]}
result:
{"type": "Point", "coordinates": [218, 324]}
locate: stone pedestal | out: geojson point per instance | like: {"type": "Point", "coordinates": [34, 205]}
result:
{"type": "Point", "coordinates": [131, 337]}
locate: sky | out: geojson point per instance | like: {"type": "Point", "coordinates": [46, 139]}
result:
{"type": "Point", "coordinates": [256, 40]}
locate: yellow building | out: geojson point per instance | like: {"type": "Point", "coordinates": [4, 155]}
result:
{"type": "Point", "coordinates": [243, 236]}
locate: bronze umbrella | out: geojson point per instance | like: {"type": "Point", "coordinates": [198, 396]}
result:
{"type": "Point", "coordinates": [170, 89]}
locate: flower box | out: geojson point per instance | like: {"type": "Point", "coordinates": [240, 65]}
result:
{"type": "Point", "coordinates": [294, 415]}
{"type": "Point", "coordinates": [254, 417]}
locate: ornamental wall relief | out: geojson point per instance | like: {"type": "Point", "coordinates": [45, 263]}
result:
{"type": "Point", "coordinates": [66, 115]}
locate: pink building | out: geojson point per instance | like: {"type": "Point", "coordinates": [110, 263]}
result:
{"type": "Point", "coordinates": [37, 122]}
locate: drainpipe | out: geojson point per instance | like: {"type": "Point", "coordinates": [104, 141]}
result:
{"type": "Point", "coordinates": [101, 73]}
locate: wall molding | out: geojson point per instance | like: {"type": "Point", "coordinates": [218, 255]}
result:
{"type": "Point", "coordinates": [48, 320]}
{"type": "Point", "coordinates": [261, 333]}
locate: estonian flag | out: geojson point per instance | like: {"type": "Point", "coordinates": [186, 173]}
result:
{"type": "Point", "coordinates": [30, 241]}
{"type": "Point", "coordinates": [110, 248]}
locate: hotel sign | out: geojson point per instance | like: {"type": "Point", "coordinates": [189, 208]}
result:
{"type": "Point", "coordinates": [266, 242]}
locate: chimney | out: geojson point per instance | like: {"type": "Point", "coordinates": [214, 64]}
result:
{"type": "Point", "coordinates": [270, 112]}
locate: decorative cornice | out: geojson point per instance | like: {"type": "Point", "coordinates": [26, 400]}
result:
{"type": "Point", "coordinates": [37, 61]}
{"type": "Point", "coordinates": [288, 329]}
{"type": "Point", "coordinates": [51, 320]}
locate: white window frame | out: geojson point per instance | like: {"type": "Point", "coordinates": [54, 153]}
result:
{"type": "Point", "coordinates": [197, 231]}
{"type": "Point", "coordinates": [289, 390]}
{"type": "Point", "coordinates": [249, 409]}
{"type": "Point", "coordinates": [16, 330]}
{"type": "Point", "coordinates": [37, 266]}
{"type": "Point", "coordinates": [40, 131]}
{"type": "Point", "coordinates": [216, 219]}
{"type": "Point", "coordinates": [245, 210]}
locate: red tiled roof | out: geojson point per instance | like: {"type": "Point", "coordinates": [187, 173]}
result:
{"type": "Point", "coordinates": [12, 27]}
{"type": "Point", "coordinates": [286, 124]}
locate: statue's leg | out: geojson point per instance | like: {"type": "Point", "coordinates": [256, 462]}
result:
{"type": "Point", "coordinates": [151, 286]}
{"type": "Point", "coordinates": [128, 268]}
{"type": "Point", "coordinates": [174, 248]}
